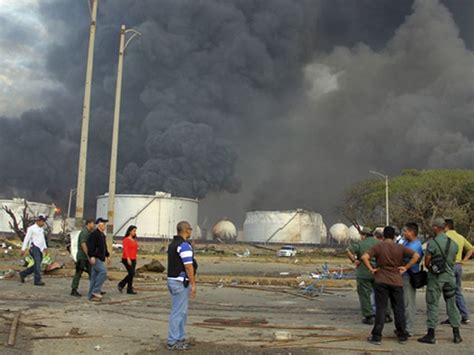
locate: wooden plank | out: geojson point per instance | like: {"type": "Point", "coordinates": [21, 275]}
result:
{"type": "Point", "coordinates": [14, 330]}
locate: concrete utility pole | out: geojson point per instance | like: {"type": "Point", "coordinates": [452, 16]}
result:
{"type": "Point", "coordinates": [81, 174]}
{"type": "Point", "coordinates": [115, 132]}
{"type": "Point", "coordinates": [387, 213]}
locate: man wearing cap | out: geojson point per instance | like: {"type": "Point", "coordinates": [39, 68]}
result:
{"type": "Point", "coordinates": [36, 242]}
{"type": "Point", "coordinates": [463, 247]}
{"type": "Point", "coordinates": [365, 280]}
{"type": "Point", "coordinates": [439, 260]}
{"type": "Point", "coordinates": [98, 253]}
{"type": "Point", "coordinates": [82, 260]}
{"type": "Point", "coordinates": [388, 282]}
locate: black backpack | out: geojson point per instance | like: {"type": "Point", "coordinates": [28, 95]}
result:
{"type": "Point", "coordinates": [438, 263]}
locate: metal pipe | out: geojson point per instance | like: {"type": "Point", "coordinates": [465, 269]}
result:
{"type": "Point", "coordinates": [81, 173]}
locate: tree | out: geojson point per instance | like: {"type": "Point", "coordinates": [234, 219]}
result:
{"type": "Point", "coordinates": [415, 196]}
{"type": "Point", "coordinates": [26, 220]}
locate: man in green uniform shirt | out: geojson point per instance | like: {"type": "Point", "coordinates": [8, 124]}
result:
{"type": "Point", "coordinates": [441, 247]}
{"type": "Point", "coordinates": [82, 260]}
{"type": "Point", "coordinates": [365, 279]}
{"type": "Point", "coordinates": [463, 247]}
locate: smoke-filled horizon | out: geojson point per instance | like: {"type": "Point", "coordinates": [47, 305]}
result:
{"type": "Point", "coordinates": [247, 104]}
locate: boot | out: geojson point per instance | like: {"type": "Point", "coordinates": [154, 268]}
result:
{"type": "Point", "coordinates": [429, 338]}
{"type": "Point", "coordinates": [75, 293]}
{"type": "Point", "coordinates": [456, 336]}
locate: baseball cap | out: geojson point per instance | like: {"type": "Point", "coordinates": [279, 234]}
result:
{"type": "Point", "coordinates": [439, 222]}
{"type": "Point", "coordinates": [101, 220]}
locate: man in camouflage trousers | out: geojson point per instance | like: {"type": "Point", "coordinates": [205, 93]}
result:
{"type": "Point", "coordinates": [441, 283]}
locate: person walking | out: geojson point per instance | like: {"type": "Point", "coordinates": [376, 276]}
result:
{"type": "Point", "coordinates": [463, 247]}
{"type": "Point", "coordinates": [181, 275]}
{"type": "Point", "coordinates": [98, 254]}
{"type": "Point", "coordinates": [365, 280]}
{"type": "Point", "coordinates": [411, 241]}
{"type": "Point", "coordinates": [129, 259]}
{"type": "Point", "coordinates": [388, 283]}
{"type": "Point", "coordinates": [439, 260]}
{"type": "Point", "coordinates": [82, 259]}
{"type": "Point", "coordinates": [35, 241]}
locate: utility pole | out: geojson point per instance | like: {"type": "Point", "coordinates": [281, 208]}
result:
{"type": "Point", "coordinates": [387, 212]}
{"type": "Point", "coordinates": [115, 133]}
{"type": "Point", "coordinates": [81, 173]}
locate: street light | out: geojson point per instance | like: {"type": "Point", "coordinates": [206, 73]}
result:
{"type": "Point", "coordinates": [71, 193]}
{"type": "Point", "coordinates": [385, 177]}
{"type": "Point", "coordinates": [115, 132]}
{"type": "Point", "coordinates": [81, 172]}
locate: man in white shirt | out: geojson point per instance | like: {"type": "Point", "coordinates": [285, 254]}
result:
{"type": "Point", "coordinates": [36, 242]}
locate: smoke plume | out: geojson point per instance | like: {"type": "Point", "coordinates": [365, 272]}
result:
{"type": "Point", "coordinates": [249, 104]}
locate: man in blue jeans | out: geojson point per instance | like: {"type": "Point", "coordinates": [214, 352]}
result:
{"type": "Point", "coordinates": [181, 285]}
{"type": "Point", "coordinates": [98, 254]}
{"type": "Point", "coordinates": [36, 242]}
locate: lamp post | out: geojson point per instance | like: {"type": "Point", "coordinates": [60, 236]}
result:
{"type": "Point", "coordinates": [71, 193]}
{"type": "Point", "coordinates": [387, 213]}
{"type": "Point", "coordinates": [115, 133]}
{"type": "Point", "coordinates": [81, 173]}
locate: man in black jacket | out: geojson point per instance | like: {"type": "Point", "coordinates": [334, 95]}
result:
{"type": "Point", "coordinates": [98, 253]}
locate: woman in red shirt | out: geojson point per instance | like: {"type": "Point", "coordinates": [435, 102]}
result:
{"type": "Point", "coordinates": [129, 259]}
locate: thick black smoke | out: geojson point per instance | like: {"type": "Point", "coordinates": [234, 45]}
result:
{"type": "Point", "coordinates": [283, 101]}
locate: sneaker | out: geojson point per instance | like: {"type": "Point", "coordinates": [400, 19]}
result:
{"type": "Point", "coordinates": [119, 288]}
{"type": "Point", "coordinates": [465, 321]}
{"type": "Point", "coordinates": [388, 319]}
{"type": "Point", "coordinates": [446, 322]}
{"type": "Point", "coordinates": [41, 283]}
{"type": "Point", "coordinates": [178, 346]}
{"type": "Point", "coordinates": [22, 278]}
{"type": "Point", "coordinates": [131, 292]}
{"type": "Point", "coordinates": [95, 299]}
{"type": "Point", "coordinates": [374, 340]}
{"type": "Point", "coordinates": [97, 295]}
{"type": "Point", "coordinates": [75, 293]}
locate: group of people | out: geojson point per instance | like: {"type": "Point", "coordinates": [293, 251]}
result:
{"type": "Point", "coordinates": [388, 268]}
{"type": "Point", "coordinates": [93, 255]}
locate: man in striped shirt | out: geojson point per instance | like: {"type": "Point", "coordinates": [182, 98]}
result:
{"type": "Point", "coordinates": [181, 285]}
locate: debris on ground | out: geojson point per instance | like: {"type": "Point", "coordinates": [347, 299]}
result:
{"type": "Point", "coordinates": [9, 274]}
{"type": "Point", "coordinates": [282, 335]}
{"type": "Point", "coordinates": [153, 266]}
{"type": "Point", "coordinates": [245, 321]}
{"type": "Point", "coordinates": [75, 332]}
{"type": "Point", "coordinates": [245, 254]}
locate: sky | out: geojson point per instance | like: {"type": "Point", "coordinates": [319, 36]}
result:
{"type": "Point", "coordinates": [243, 104]}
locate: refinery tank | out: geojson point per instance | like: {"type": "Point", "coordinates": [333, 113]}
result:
{"type": "Point", "coordinates": [224, 230]}
{"type": "Point", "coordinates": [17, 205]}
{"type": "Point", "coordinates": [288, 227]}
{"type": "Point", "coordinates": [156, 216]}
{"type": "Point", "coordinates": [339, 232]}
{"type": "Point", "coordinates": [354, 234]}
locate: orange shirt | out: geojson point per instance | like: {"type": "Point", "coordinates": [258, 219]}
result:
{"type": "Point", "coordinates": [129, 250]}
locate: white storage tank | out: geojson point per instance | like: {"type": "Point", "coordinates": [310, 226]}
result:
{"type": "Point", "coordinates": [339, 232]}
{"type": "Point", "coordinates": [354, 234]}
{"type": "Point", "coordinates": [292, 227]}
{"type": "Point", "coordinates": [224, 230]}
{"type": "Point", "coordinates": [155, 216]}
{"type": "Point", "coordinates": [17, 205]}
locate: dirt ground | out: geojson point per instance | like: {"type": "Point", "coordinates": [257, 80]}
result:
{"type": "Point", "coordinates": [53, 322]}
